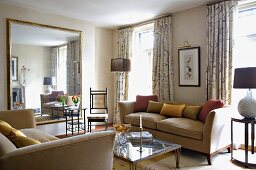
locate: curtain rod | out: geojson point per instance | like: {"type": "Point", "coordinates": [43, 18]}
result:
{"type": "Point", "coordinates": [216, 2]}
{"type": "Point", "coordinates": [144, 22]}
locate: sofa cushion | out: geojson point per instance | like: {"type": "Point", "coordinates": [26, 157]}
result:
{"type": "Point", "coordinates": [141, 103]}
{"type": "Point", "coordinates": [6, 145]}
{"type": "Point", "coordinates": [191, 112]}
{"type": "Point", "coordinates": [182, 127]}
{"type": "Point", "coordinates": [22, 141]}
{"type": "Point", "coordinates": [172, 110]}
{"type": "Point", "coordinates": [50, 104]}
{"type": "Point", "coordinates": [208, 107]}
{"type": "Point", "coordinates": [18, 138]}
{"type": "Point", "coordinates": [149, 120]}
{"type": "Point", "coordinates": [154, 107]}
{"type": "Point", "coordinates": [8, 131]}
{"type": "Point", "coordinates": [38, 135]}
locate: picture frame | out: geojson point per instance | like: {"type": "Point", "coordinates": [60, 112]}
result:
{"type": "Point", "coordinates": [14, 68]}
{"type": "Point", "coordinates": [189, 66]}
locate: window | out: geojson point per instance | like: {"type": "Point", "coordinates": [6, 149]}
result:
{"type": "Point", "coordinates": [61, 69]}
{"type": "Point", "coordinates": [140, 77]}
{"type": "Point", "coordinates": [245, 42]}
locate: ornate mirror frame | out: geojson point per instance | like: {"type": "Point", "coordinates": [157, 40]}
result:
{"type": "Point", "coordinates": [9, 23]}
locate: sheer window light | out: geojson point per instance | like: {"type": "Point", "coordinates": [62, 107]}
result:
{"type": "Point", "coordinates": [140, 77]}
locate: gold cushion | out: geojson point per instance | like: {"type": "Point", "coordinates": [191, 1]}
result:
{"type": "Point", "coordinates": [191, 112]}
{"type": "Point", "coordinates": [15, 136]}
{"type": "Point", "coordinates": [154, 107]}
{"type": "Point", "coordinates": [8, 131]}
{"type": "Point", "coordinates": [21, 141]}
{"type": "Point", "coordinates": [171, 110]}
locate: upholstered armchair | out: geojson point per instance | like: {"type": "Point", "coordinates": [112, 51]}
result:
{"type": "Point", "coordinates": [49, 100]}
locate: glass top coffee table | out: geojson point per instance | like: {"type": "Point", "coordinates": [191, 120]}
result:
{"type": "Point", "coordinates": [130, 153]}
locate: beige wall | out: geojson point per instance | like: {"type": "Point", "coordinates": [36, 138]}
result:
{"type": "Point", "coordinates": [88, 44]}
{"type": "Point", "coordinates": [35, 58]}
{"type": "Point", "coordinates": [103, 56]}
{"type": "Point", "coordinates": [190, 25]}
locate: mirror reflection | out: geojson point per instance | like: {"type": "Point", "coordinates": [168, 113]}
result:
{"type": "Point", "coordinates": [45, 65]}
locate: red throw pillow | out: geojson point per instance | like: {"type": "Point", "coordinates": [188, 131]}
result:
{"type": "Point", "coordinates": [208, 107]}
{"type": "Point", "coordinates": [141, 103]}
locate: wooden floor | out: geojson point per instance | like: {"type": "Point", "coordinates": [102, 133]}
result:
{"type": "Point", "coordinates": [59, 129]}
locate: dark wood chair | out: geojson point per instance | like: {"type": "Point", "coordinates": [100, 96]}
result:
{"type": "Point", "coordinates": [98, 108]}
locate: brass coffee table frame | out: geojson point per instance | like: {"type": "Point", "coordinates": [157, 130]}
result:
{"type": "Point", "coordinates": [170, 147]}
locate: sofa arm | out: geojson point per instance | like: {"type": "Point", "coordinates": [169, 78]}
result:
{"type": "Point", "coordinates": [19, 119]}
{"type": "Point", "coordinates": [90, 151]}
{"type": "Point", "coordinates": [125, 108]}
{"type": "Point", "coordinates": [216, 132]}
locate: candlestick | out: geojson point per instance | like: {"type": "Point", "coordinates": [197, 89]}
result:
{"type": "Point", "coordinates": [140, 121]}
{"type": "Point", "coordinates": [141, 150]}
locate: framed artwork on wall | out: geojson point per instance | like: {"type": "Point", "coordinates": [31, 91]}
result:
{"type": "Point", "coordinates": [15, 68]}
{"type": "Point", "coordinates": [189, 66]}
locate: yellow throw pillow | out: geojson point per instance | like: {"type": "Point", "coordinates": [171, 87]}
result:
{"type": "Point", "coordinates": [154, 107]}
{"type": "Point", "coordinates": [7, 130]}
{"type": "Point", "coordinates": [15, 136]}
{"type": "Point", "coordinates": [191, 112]}
{"type": "Point", "coordinates": [171, 110]}
{"type": "Point", "coordinates": [21, 141]}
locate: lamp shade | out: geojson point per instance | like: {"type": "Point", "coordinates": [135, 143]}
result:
{"type": "Point", "coordinates": [245, 78]}
{"type": "Point", "coordinates": [120, 64]}
{"type": "Point", "coordinates": [49, 81]}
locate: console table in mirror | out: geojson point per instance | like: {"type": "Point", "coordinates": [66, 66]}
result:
{"type": "Point", "coordinates": [41, 60]}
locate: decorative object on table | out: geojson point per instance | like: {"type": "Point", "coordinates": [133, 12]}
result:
{"type": "Point", "coordinates": [63, 100]}
{"type": "Point", "coordinates": [141, 129]}
{"type": "Point", "coordinates": [145, 135]}
{"type": "Point", "coordinates": [49, 82]}
{"type": "Point", "coordinates": [189, 66]}
{"type": "Point", "coordinates": [75, 100]}
{"type": "Point", "coordinates": [23, 80]}
{"type": "Point", "coordinates": [121, 130]}
{"type": "Point", "coordinates": [19, 105]}
{"type": "Point", "coordinates": [15, 68]}
{"type": "Point", "coordinates": [245, 78]}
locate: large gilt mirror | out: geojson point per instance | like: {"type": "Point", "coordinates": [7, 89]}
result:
{"type": "Point", "coordinates": [44, 63]}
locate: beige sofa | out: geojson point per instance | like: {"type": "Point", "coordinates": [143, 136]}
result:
{"type": "Point", "coordinates": [88, 151]}
{"type": "Point", "coordinates": [207, 138]}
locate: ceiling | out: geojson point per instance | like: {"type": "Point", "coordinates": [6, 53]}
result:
{"type": "Point", "coordinates": [109, 13]}
{"type": "Point", "coordinates": [39, 36]}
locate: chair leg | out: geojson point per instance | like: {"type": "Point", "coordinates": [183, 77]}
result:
{"type": "Point", "coordinates": [209, 160]}
{"type": "Point", "coordinates": [229, 149]}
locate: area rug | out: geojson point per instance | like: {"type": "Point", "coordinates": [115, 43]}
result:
{"type": "Point", "coordinates": [189, 161]}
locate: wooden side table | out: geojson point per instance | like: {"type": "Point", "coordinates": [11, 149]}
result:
{"type": "Point", "coordinates": [246, 123]}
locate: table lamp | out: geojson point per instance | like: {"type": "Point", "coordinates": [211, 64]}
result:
{"type": "Point", "coordinates": [49, 81]}
{"type": "Point", "coordinates": [245, 78]}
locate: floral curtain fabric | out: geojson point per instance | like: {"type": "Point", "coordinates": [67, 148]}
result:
{"type": "Point", "coordinates": [220, 50]}
{"type": "Point", "coordinates": [73, 84]}
{"type": "Point", "coordinates": [163, 60]}
{"type": "Point", "coordinates": [121, 78]}
{"type": "Point", "coordinates": [52, 63]}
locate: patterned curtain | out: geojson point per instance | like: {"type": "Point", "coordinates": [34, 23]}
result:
{"type": "Point", "coordinates": [163, 60]}
{"type": "Point", "coordinates": [73, 87]}
{"type": "Point", "coordinates": [52, 64]}
{"type": "Point", "coordinates": [121, 78]}
{"type": "Point", "coordinates": [220, 50]}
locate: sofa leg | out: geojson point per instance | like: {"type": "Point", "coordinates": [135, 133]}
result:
{"type": "Point", "coordinates": [209, 160]}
